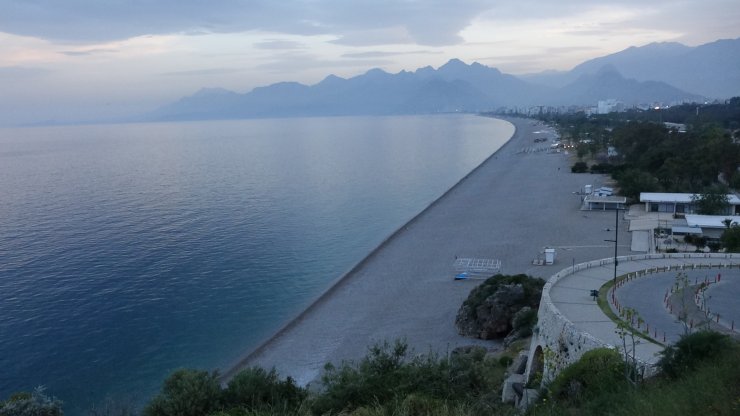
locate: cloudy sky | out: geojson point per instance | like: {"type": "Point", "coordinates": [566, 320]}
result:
{"type": "Point", "coordinates": [85, 59]}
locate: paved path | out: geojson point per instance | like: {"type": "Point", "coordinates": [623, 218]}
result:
{"type": "Point", "coordinates": [646, 294]}
{"type": "Point", "coordinates": [723, 299]}
{"type": "Point", "coordinates": [516, 203]}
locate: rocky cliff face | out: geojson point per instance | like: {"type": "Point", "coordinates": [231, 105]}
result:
{"type": "Point", "coordinates": [500, 308]}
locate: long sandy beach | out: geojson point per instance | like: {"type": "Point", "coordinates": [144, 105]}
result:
{"type": "Point", "coordinates": [513, 205]}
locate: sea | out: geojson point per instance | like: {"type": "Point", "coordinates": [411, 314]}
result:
{"type": "Point", "coordinates": [128, 251]}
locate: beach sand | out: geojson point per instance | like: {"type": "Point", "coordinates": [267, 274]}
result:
{"type": "Point", "coordinates": [514, 204]}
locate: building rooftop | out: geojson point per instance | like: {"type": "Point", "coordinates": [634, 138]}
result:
{"type": "Point", "coordinates": [678, 197]}
{"type": "Point", "coordinates": [608, 199]}
{"type": "Point", "coordinates": [710, 221]}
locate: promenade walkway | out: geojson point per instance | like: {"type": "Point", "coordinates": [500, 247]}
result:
{"type": "Point", "coordinates": [648, 291]}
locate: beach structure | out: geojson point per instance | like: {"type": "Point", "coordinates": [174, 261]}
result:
{"type": "Point", "coordinates": [604, 202]}
{"type": "Point", "coordinates": [710, 226]}
{"type": "Point", "coordinates": [471, 268]}
{"type": "Point", "coordinates": [681, 203]}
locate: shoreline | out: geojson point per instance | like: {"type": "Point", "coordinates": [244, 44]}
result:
{"type": "Point", "coordinates": [404, 288]}
{"type": "Point", "coordinates": [338, 282]}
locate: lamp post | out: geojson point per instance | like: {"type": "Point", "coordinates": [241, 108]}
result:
{"type": "Point", "coordinates": [616, 239]}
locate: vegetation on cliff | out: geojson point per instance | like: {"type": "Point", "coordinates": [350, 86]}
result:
{"type": "Point", "coordinates": [699, 375]}
{"type": "Point", "coordinates": [502, 306]}
{"type": "Point", "coordinates": [389, 380]}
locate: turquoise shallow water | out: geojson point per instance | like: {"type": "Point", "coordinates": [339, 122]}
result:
{"type": "Point", "coordinates": [127, 251]}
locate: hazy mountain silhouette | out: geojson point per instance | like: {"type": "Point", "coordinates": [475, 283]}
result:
{"type": "Point", "coordinates": [711, 70]}
{"type": "Point", "coordinates": [658, 72]}
{"type": "Point", "coordinates": [608, 82]}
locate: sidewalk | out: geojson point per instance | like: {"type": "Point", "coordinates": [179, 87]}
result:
{"type": "Point", "coordinates": [571, 295]}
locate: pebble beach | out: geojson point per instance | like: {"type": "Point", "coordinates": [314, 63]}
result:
{"type": "Point", "coordinates": [520, 200]}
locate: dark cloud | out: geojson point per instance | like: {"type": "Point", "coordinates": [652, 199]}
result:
{"type": "Point", "coordinates": [429, 22]}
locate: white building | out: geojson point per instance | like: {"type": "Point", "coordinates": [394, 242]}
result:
{"type": "Point", "coordinates": [679, 203]}
{"type": "Point", "coordinates": [711, 226]}
{"type": "Point", "coordinates": [609, 106]}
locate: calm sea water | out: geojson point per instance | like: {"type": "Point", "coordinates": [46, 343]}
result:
{"type": "Point", "coordinates": [128, 251]}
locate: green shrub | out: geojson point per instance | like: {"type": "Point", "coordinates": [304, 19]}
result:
{"type": "Point", "coordinates": [579, 167]}
{"type": "Point", "coordinates": [532, 289]}
{"type": "Point", "coordinates": [187, 393]}
{"type": "Point", "coordinates": [255, 388]}
{"type": "Point", "coordinates": [693, 349]}
{"type": "Point", "coordinates": [598, 371]}
{"type": "Point", "coordinates": [601, 168]}
{"type": "Point", "coordinates": [524, 321]}
{"type": "Point", "coordinates": [713, 388]}
{"type": "Point", "coordinates": [390, 373]}
{"type": "Point", "coordinates": [505, 361]}
{"type": "Point", "coordinates": [36, 403]}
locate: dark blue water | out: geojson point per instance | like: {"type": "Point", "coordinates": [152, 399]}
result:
{"type": "Point", "coordinates": [128, 251]}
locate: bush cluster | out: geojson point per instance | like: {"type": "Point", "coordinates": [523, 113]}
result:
{"type": "Point", "coordinates": [692, 350]}
{"type": "Point", "coordinates": [35, 403]}
{"type": "Point", "coordinates": [390, 375]}
{"type": "Point", "coordinates": [579, 167]}
{"type": "Point", "coordinates": [532, 289]}
{"type": "Point", "coordinates": [598, 371]}
{"type": "Point", "coordinates": [196, 393]}
{"type": "Point", "coordinates": [390, 379]}
{"type": "Point", "coordinates": [700, 374]}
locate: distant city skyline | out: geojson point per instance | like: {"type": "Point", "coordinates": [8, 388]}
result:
{"type": "Point", "coordinates": [84, 59]}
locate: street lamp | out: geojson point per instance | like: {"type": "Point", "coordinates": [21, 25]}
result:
{"type": "Point", "coordinates": [616, 239]}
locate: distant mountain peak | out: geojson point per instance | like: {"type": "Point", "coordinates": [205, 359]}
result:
{"type": "Point", "coordinates": [331, 80]}
{"type": "Point", "coordinates": [453, 63]}
{"type": "Point", "coordinates": [662, 72]}
{"type": "Point", "coordinates": [376, 72]}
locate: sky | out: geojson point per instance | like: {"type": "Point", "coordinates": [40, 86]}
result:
{"type": "Point", "coordinates": [76, 60]}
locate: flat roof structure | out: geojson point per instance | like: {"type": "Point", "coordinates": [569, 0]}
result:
{"type": "Point", "coordinates": [596, 202]}
{"type": "Point", "coordinates": [682, 198]}
{"type": "Point", "coordinates": [686, 230]}
{"type": "Point", "coordinates": [710, 221]}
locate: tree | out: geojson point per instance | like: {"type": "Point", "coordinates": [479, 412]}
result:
{"type": "Point", "coordinates": [187, 393]}
{"type": "Point", "coordinates": [713, 202]}
{"type": "Point", "coordinates": [731, 238]}
{"type": "Point", "coordinates": [36, 403]}
{"type": "Point", "coordinates": [692, 349]}
{"type": "Point", "coordinates": [256, 388]}
{"type": "Point", "coordinates": [579, 167]}
{"type": "Point", "coordinates": [634, 181]}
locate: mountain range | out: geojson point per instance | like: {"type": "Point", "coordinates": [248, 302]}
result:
{"type": "Point", "coordinates": [655, 73]}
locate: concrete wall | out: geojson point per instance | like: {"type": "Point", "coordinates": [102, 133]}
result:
{"type": "Point", "coordinates": [559, 343]}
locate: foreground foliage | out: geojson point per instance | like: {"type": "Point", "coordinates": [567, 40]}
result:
{"type": "Point", "coordinates": [390, 376]}
{"type": "Point", "coordinates": [251, 391]}
{"type": "Point", "coordinates": [701, 377]}
{"type": "Point", "coordinates": [35, 403]}
{"type": "Point", "coordinates": [390, 380]}
{"type": "Point", "coordinates": [596, 373]}
{"type": "Point", "coordinates": [692, 350]}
